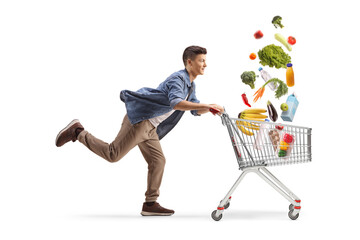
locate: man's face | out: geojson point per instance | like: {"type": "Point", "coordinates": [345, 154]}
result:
{"type": "Point", "coordinates": [198, 65]}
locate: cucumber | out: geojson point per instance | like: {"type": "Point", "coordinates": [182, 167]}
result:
{"type": "Point", "coordinates": [281, 39]}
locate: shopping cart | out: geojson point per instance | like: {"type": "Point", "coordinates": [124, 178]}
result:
{"type": "Point", "coordinates": [259, 144]}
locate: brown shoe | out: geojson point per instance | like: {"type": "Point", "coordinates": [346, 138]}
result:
{"type": "Point", "coordinates": [69, 133]}
{"type": "Point", "coordinates": [155, 210]}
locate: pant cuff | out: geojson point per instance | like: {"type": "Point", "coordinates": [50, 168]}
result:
{"type": "Point", "coordinates": [81, 135]}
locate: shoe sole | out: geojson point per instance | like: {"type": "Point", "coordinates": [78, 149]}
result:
{"type": "Point", "coordinates": [66, 128]}
{"type": "Point", "coordinates": [155, 214]}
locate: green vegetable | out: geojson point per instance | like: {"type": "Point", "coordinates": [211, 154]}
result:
{"type": "Point", "coordinates": [249, 78]}
{"type": "Point", "coordinates": [273, 56]}
{"type": "Point", "coordinates": [281, 39]}
{"type": "Point", "coordinates": [277, 22]}
{"type": "Point", "coordinates": [282, 88]}
{"type": "Point", "coordinates": [282, 153]}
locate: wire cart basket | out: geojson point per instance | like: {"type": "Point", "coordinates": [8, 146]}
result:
{"type": "Point", "coordinates": [260, 144]}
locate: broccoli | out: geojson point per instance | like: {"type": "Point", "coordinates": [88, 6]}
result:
{"type": "Point", "coordinates": [277, 22]}
{"type": "Point", "coordinates": [249, 78]}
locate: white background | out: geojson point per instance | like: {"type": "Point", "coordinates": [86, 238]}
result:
{"type": "Point", "coordinates": [62, 60]}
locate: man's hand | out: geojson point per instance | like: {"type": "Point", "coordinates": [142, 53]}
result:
{"type": "Point", "coordinates": [217, 107]}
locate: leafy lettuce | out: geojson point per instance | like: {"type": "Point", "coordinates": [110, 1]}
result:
{"type": "Point", "coordinates": [273, 56]}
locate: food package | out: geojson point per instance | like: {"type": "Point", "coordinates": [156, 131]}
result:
{"type": "Point", "coordinates": [286, 144]}
{"type": "Point", "coordinates": [274, 136]}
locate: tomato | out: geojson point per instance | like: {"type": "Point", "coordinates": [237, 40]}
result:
{"type": "Point", "coordinates": [291, 40]}
{"type": "Point", "coordinates": [258, 34]}
{"type": "Point", "coordinates": [252, 56]}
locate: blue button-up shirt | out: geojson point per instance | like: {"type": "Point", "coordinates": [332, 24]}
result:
{"type": "Point", "coordinates": [147, 103]}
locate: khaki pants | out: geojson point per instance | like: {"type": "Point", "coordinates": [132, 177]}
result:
{"type": "Point", "coordinates": [142, 134]}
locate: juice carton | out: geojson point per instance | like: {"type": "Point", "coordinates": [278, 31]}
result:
{"type": "Point", "coordinates": [292, 103]}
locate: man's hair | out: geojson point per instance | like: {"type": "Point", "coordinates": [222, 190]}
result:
{"type": "Point", "coordinates": [191, 52]}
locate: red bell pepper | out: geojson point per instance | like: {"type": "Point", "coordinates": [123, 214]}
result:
{"type": "Point", "coordinates": [288, 138]}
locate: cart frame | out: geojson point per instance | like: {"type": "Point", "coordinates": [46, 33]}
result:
{"type": "Point", "coordinates": [247, 164]}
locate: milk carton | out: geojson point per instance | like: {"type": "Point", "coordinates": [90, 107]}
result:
{"type": "Point", "coordinates": [292, 103]}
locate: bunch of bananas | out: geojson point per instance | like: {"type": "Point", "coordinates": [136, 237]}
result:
{"type": "Point", "coordinates": [253, 114]}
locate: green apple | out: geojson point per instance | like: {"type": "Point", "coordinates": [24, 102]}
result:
{"type": "Point", "coordinates": [284, 107]}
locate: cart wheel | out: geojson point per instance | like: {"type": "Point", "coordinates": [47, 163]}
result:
{"type": "Point", "coordinates": [213, 215]}
{"type": "Point", "coordinates": [291, 216]}
{"type": "Point", "coordinates": [291, 207]}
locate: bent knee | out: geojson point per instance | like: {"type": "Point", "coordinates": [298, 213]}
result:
{"type": "Point", "coordinates": [113, 158]}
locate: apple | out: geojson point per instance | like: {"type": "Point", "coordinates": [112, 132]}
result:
{"type": "Point", "coordinates": [284, 107]}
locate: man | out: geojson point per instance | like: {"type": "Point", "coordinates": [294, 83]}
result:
{"type": "Point", "coordinates": [151, 114]}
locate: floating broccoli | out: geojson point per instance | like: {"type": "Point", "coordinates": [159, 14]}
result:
{"type": "Point", "coordinates": [249, 78]}
{"type": "Point", "coordinates": [277, 22]}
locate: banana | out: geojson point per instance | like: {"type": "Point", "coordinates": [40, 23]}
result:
{"type": "Point", "coordinates": [254, 110]}
{"type": "Point", "coordinates": [250, 115]}
{"type": "Point", "coordinates": [253, 128]}
{"type": "Point", "coordinates": [245, 131]}
{"type": "Point", "coordinates": [253, 119]}
{"type": "Point", "coordinates": [248, 125]}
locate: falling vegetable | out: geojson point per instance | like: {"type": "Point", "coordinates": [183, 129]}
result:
{"type": "Point", "coordinates": [277, 22]}
{"type": "Point", "coordinates": [258, 34]}
{"type": "Point", "coordinates": [272, 112]}
{"type": "Point", "coordinates": [252, 56]}
{"type": "Point", "coordinates": [273, 56]}
{"type": "Point", "coordinates": [291, 40]}
{"type": "Point", "coordinates": [281, 39]}
{"type": "Point", "coordinates": [249, 78]}
{"type": "Point", "coordinates": [281, 90]}
{"type": "Point", "coordinates": [246, 101]}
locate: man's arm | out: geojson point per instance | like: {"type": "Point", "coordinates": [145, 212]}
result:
{"type": "Point", "coordinates": [200, 107]}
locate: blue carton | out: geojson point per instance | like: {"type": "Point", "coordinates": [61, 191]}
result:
{"type": "Point", "coordinates": [293, 103]}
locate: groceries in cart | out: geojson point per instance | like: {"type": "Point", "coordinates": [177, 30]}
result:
{"type": "Point", "coordinates": [282, 142]}
{"type": "Point", "coordinates": [260, 140]}
{"type": "Point", "coordinates": [286, 145]}
{"type": "Point", "coordinates": [247, 128]}
{"type": "Point", "coordinates": [254, 114]}
{"type": "Point", "coordinates": [274, 135]}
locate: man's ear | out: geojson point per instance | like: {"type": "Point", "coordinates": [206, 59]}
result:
{"type": "Point", "coordinates": [188, 61]}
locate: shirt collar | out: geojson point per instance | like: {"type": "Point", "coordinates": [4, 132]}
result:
{"type": "Point", "coordinates": [187, 78]}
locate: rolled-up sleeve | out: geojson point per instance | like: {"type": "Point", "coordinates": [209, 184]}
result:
{"type": "Point", "coordinates": [175, 87]}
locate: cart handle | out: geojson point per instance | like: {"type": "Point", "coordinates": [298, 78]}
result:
{"type": "Point", "coordinates": [214, 111]}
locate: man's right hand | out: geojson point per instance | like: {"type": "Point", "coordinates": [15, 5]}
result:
{"type": "Point", "coordinates": [217, 107]}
